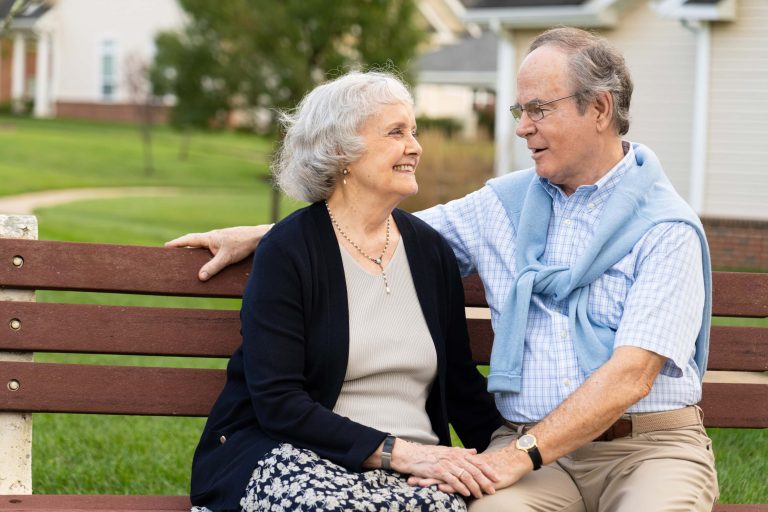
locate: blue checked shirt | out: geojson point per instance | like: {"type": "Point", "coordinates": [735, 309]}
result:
{"type": "Point", "coordinates": [653, 297]}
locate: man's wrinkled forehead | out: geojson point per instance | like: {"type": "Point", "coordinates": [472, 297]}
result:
{"type": "Point", "coordinates": [543, 75]}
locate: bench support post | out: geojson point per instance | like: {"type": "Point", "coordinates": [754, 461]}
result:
{"type": "Point", "coordinates": [16, 438]}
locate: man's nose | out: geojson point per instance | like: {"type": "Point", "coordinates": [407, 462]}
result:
{"type": "Point", "coordinates": [525, 126]}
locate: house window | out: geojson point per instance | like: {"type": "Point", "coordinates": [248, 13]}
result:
{"type": "Point", "coordinates": [108, 69]}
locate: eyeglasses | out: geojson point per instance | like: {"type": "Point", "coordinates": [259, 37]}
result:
{"type": "Point", "coordinates": [533, 109]}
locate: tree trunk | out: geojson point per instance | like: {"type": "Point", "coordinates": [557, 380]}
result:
{"type": "Point", "coordinates": [186, 136]}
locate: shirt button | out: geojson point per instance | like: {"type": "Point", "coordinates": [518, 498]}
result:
{"type": "Point", "coordinates": [556, 310]}
{"type": "Point", "coordinates": [566, 382]}
{"type": "Point", "coordinates": [564, 334]}
{"type": "Point", "coordinates": [591, 206]}
{"type": "Point", "coordinates": [567, 222]}
{"type": "Point", "coordinates": [223, 439]}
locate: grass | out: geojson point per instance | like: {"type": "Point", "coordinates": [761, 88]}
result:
{"type": "Point", "coordinates": [56, 154]}
{"type": "Point", "coordinates": [223, 185]}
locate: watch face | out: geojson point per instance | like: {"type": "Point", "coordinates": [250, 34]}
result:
{"type": "Point", "coordinates": [526, 442]}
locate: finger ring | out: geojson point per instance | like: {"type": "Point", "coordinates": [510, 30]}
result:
{"type": "Point", "coordinates": [461, 473]}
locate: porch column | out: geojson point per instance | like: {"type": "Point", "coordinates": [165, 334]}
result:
{"type": "Point", "coordinates": [505, 94]}
{"type": "Point", "coordinates": [18, 70]}
{"type": "Point", "coordinates": [42, 80]}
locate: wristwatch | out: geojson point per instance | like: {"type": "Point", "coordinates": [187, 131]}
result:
{"type": "Point", "coordinates": [386, 452]}
{"type": "Point", "coordinates": [527, 443]}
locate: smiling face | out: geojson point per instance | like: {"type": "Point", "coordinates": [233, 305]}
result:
{"type": "Point", "coordinates": [568, 147]}
{"type": "Point", "coordinates": [387, 167]}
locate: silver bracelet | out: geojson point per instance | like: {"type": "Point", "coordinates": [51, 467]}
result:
{"type": "Point", "coordinates": [386, 452]}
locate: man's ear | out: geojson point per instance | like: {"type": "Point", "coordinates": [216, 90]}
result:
{"type": "Point", "coordinates": [603, 105]}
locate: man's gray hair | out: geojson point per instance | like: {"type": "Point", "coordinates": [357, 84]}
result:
{"type": "Point", "coordinates": [595, 67]}
{"type": "Point", "coordinates": [321, 134]}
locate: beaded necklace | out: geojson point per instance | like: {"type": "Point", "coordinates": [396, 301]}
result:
{"type": "Point", "coordinates": [378, 261]}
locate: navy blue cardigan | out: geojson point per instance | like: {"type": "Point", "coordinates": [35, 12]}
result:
{"type": "Point", "coordinates": [283, 381]}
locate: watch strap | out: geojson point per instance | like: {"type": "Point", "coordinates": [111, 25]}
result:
{"type": "Point", "coordinates": [535, 456]}
{"type": "Point", "coordinates": [386, 452]}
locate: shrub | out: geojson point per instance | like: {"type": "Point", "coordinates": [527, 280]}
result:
{"type": "Point", "coordinates": [449, 168]}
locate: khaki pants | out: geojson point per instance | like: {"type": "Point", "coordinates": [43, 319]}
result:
{"type": "Point", "coordinates": [664, 471]}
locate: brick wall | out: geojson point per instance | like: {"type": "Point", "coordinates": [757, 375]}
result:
{"type": "Point", "coordinates": [118, 112]}
{"type": "Point", "coordinates": [737, 244]}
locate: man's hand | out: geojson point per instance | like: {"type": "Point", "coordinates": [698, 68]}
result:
{"type": "Point", "coordinates": [228, 246]}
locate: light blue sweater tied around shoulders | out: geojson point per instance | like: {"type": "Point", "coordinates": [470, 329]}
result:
{"type": "Point", "coordinates": [643, 198]}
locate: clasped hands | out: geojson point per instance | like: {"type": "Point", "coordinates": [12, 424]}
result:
{"type": "Point", "coordinates": [454, 469]}
{"type": "Point", "coordinates": [497, 470]}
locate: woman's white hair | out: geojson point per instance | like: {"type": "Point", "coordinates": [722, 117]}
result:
{"type": "Point", "coordinates": [321, 134]}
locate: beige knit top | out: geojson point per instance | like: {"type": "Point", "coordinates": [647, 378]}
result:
{"type": "Point", "coordinates": [392, 359]}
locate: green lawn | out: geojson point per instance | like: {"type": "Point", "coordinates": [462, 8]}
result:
{"type": "Point", "coordinates": [223, 185]}
{"type": "Point", "coordinates": [54, 154]}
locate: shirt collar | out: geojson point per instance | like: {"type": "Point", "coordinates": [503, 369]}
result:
{"type": "Point", "coordinates": [605, 185]}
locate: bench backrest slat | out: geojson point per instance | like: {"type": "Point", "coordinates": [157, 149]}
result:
{"type": "Point", "coordinates": [731, 348]}
{"type": "Point", "coordinates": [51, 265]}
{"type": "Point", "coordinates": [85, 328]}
{"type": "Point", "coordinates": [738, 349]}
{"type": "Point", "coordinates": [46, 327]}
{"type": "Point", "coordinates": [735, 405]}
{"type": "Point", "coordinates": [739, 294]}
{"type": "Point", "coordinates": [191, 392]}
{"type": "Point", "coordinates": [73, 388]}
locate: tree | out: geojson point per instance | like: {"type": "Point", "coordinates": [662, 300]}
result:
{"type": "Point", "coordinates": [139, 89]}
{"type": "Point", "coordinates": [267, 54]}
{"type": "Point", "coordinates": [248, 54]}
{"type": "Point", "coordinates": [190, 67]}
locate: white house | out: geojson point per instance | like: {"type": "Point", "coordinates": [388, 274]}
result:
{"type": "Point", "coordinates": [84, 51]}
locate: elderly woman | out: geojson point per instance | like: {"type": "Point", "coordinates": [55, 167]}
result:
{"type": "Point", "coordinates": [355, 353]}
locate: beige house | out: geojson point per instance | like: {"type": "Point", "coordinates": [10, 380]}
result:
{"type": "Point", "coordinates": [700, 69]}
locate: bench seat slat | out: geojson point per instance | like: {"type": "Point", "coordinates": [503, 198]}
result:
{"type": "Point", "coordinates": [96, 389]}
{"type": "Point", "coordinates": [81, 266]}
{"type": "Point", "coordinates": [86, 328]}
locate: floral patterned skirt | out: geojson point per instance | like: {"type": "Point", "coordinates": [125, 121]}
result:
{"type": "Point", "coordinates": [293, 479]}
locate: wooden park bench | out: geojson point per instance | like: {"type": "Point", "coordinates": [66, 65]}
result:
{"type": "Point", "coordinates": [27, 327]}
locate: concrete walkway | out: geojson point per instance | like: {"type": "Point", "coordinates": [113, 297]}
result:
{"type": "Point", "coordinates": [26, 204]}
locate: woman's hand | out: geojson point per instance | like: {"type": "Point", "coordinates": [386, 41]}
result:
{"type": "Point", "coordinates": [461, 469]}
{"type": "Point", "coordinates": [228, 246]}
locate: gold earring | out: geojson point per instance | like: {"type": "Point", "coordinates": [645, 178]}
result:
{"type": "Point", "coordinates": [344, 173]}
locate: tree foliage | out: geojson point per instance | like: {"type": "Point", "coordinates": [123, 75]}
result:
{"type": "Point", "coordinates": [269, 53]}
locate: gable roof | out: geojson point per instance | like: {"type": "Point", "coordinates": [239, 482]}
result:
{"type": "Point", "coordinates": [702, 10]}
{"type": "Point", "coordinates": [471, 61]}
{"type": "Point", "coordinates": [27, 16]}
{"type": "Point", "coordinates": [541, 13]}
{"type": "Point", "coordinates": [496, 4]}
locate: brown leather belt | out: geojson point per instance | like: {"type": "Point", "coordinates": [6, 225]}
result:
{"type": "Point", "coordinates": [639, 423]}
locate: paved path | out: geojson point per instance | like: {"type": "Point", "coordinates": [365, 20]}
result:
{"type": "Point", "coordinates": [27, 203]}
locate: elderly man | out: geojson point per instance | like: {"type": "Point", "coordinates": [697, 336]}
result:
{"type": "Point", "coordinates": [598, 278]}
